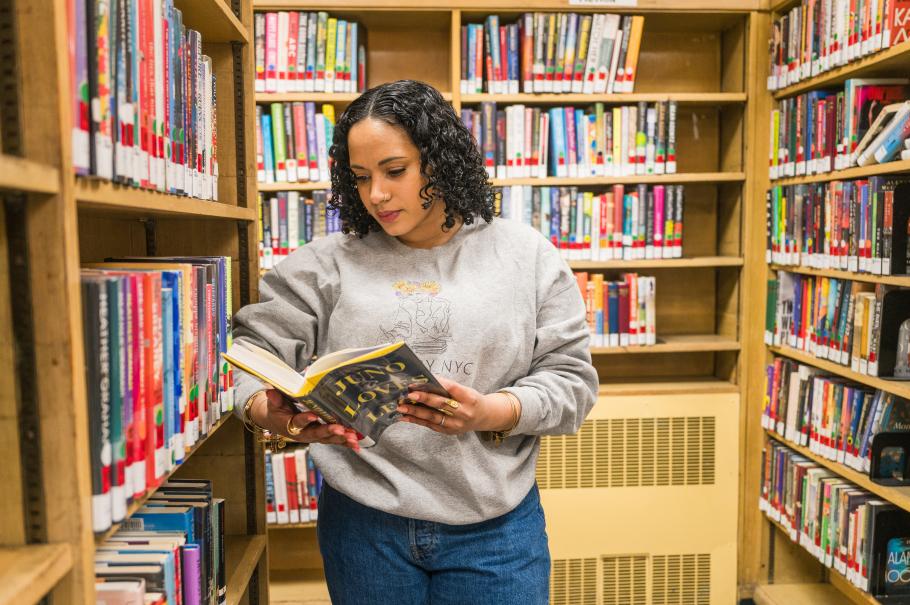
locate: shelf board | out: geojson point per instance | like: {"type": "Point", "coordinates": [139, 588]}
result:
{"type": "Point", "coordinates": [135, 505]}
{"type": "Point", "coordinates": [676, 343]}
{"type": "Point", "coordinates": [25, 175]}
{"type": "Point", "coordinates": [889, 61]}
{"type": "Point", "coordinates": [899, 496]}
{"type": "Point", "coordinates": [856, 172]}
{"type": "Point", "coordinates": [316, 97]}
{"type": "Point", "coordinates": [778, 6]}
{"type": "Point", "coordinates": [113, 197]}
{"type": "Point", "coordinates": [305, 186]}
{"type": "Point", "coordinates": [679, 177]}
{"type": "Point", "coordinates": [799, 594]}
{"type": "Point", "coordinates": [28, 573]}
{"type": "Point", "coordinates": [668, 386]}
{"type": "Point", "coordinates": [660, 263]}
{"type": "Point", "coordinates": [845, 589]}
{"type": "Point", "coordinates": [899, 388]}
{"type": "Point", "coordinates": [214, 19]}
{"type": "Point", "coordinates": [686, 98]}
{"type": "Point", "coordinates": [307, 525]}
{"type": "Point", "coordinates": [241, 556]}
{"type": "Point", "coordinates": [298, 587]}
{"type": "Point", "coordinates": [891, 280]}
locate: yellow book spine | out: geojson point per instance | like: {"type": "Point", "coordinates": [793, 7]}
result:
{"type": "Point", "coordinates": [330, 39]}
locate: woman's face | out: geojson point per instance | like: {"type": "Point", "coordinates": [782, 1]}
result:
{"type": "Point", "coordinates": [386, 166]}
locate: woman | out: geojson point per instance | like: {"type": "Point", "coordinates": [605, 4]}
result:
{"type": "Point", "coordinates": [437, 512]}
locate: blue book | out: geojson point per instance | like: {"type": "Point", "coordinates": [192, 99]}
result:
{"type": "Point", "coordinates": [514, 70]}
{"type": "Point", "coordinates": [559, 166]}
{"type": "Point", "coordinates": [613, 308]}
{"type": "Point", "coordinates": [267, 155]}
{"type": "Point", "coordinates": [472, 58]}
{"type": "Point", "coordinates": [555, 216]}
{"type": "Point", "coordinates": [581, 143]}
{"type": "Point", "coordinates": [156, 518]}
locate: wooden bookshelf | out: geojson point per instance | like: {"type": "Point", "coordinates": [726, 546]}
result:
{"type": "Point", "coordinates": [799, 594]}
{"type": "Point", "coordinates": [675, 343]}
{"type": "Point", "coordinates": [658, 263]}
{"type": "Point", "coordinates": [857, 172]}
{"type": "Point", "coordinates": [52, 222]}
{"type": "Point", "coordinates": [307, 525]}
{"type": "Point", "coordinates": [705, 55]}
{"type": "Point", "coordinates": [891, 280]}
{"type": "Point", "coordinates": [899, 496]}
{"type": "Point", "coordinates": [890, 61]}
{"type": "Point", "coordinates": [760, 563]}
{"type": "Point", "coordinates": [19, 174]}
{"type": "Point", "coordinates": [30, 572]}
{"type": "Point", "coordinates": [111, 198]}
{"type": "Point", "coordinates": [316, 97]}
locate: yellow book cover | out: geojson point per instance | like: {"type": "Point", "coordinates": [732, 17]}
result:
{"type": "Point", "coordinates": [358, 388]}
{"type": "Point", "coordinates": [331, 35]}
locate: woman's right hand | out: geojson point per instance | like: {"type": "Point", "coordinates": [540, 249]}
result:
{"type": "Point", "coordinates": [270, 411]}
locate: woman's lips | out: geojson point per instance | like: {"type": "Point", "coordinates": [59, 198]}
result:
{"type": "Point", "coordinates": [388, 217]}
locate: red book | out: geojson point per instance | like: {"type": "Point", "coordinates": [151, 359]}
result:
{"type": "Point", "coordinates": [502, 75]}
{"type": "Point", "coordinates": [293, 25]}
{"type": "Point", "coordinates": [290, 477]}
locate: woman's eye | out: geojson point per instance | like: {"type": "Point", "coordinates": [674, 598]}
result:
{"type": "Point", "coordinates": [396, 172]}
{"type": "Point", "coordinates": [360, 178]}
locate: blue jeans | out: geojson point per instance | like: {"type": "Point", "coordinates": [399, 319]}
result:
{"type": "Point", "coordinates": [375, 558]}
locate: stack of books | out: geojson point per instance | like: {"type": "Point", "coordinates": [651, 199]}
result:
{"type": "Point", "coordinates": [308, 52]}
{"type": "Point", "coordinates": [155, 330]}
{"type": "Point", "coordinates": [624, 223]}
{"type": "Point", "coordinates": [143, 98]}
{"type": "Point", "coordinates": [520, 141]}
{"type": "Point", "coordinates": [845, 527]}
{"type": "Point", "coordinates": [290, 219]}
{"type": "Point", "coordinates": [865, 123]}
{"type": "Point", "coordinates": [620, 313]}
{"type": "Point", "coordinates": [835, 418]}
{"type": "Point", "coordinates": [293, 142]}
{"type": "Point", "coordinates": [551, 52]}
{"type": "Point", "coordinates": [815, 37]}
{"type": "Point", "coordinates": [170, 551]}
{"type": "Point", "coordinates": [292, 487]}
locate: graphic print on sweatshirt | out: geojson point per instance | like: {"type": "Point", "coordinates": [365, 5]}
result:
{"type": "Point", "coordinates": [421, 318]}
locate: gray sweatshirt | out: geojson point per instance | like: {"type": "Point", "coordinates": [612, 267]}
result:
{"type": "Point", "coordinates": [494, 307]}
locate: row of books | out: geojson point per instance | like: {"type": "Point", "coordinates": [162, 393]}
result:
{"type": "Point", "coordinates": [170, 552]}
{"type": "Point", "coordinates": [623, 223]}
{"type": "Point", "coordinates": [143, 97]}
{"type": "Point", "coordinates": [308, 52]}
{"type": "Point", "coordinates": [845, 225]}
{"type": "Point", "coordinates": [834, 319]}
{"type": "Point", "coordinates": [551, 52]}
{"type": "Point", "coordinates": [863, 537]}
{"type": "Point", "coordinates": [292, 487]}
{"type": "Point", "coordinates": [293, 142]}
{"type": "Point", "coordinates": [518, 141]}
{"type": "Point", "coordinates": [154, 332]}
{"type": "Point", "coordinates": [620, 313]}
{"type": "Point", "coordinates": [865, 123]}
{"type": "Point", "coordinates": [833, 417]}
{"type": "Point", "coordinates": [290, 219]}
{"type": "Point", "coordinates": [819, 35]}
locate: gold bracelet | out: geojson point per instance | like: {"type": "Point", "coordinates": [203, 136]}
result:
{"type": "Point", "coordinates": [272, 442]}
{"type": "Point", "coordinates": [497, 437]}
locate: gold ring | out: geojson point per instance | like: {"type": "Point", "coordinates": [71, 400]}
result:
{"type": "Point", "coordinates": [443, 421]}
{"type": "Point", "coordinates": [293, 431]}
{"type": "Point", "coordinates": [452, 404]}
{"type": "Point", "coordinates": [444, 411]}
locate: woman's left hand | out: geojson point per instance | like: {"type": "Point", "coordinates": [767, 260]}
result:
{"type": "Point", "coordinates": [467, 410]}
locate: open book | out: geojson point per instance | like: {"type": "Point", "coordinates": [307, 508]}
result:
{"type": "Point", "coordinates": [357, 388]}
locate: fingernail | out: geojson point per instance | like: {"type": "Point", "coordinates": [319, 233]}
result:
{"type": "Point", "coordinates": [414, 396]}
{"type": "Point", "coordinates": [403, 409]}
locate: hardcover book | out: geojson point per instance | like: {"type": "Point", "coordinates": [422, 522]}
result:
{"type": "Point", "coordinates": [358, 388]}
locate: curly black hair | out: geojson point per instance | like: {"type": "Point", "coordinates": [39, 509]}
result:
{"type": "Point", "coordinates": [449, 159]}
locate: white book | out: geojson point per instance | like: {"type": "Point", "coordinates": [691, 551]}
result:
{"type": "Point", "coordinates": [322, 154]}
{"type": "Point", "coordinates": [605, 55]}
{"type": "Point", "coordinates": [293, 220]}
{"type": "Point", "coordinates": [594, 43]}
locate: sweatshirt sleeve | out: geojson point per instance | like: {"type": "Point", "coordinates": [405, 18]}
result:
{"type": "Point", "coordinates": [561, 386]}
{"type": "Point", "coordinates": [293, 300]}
